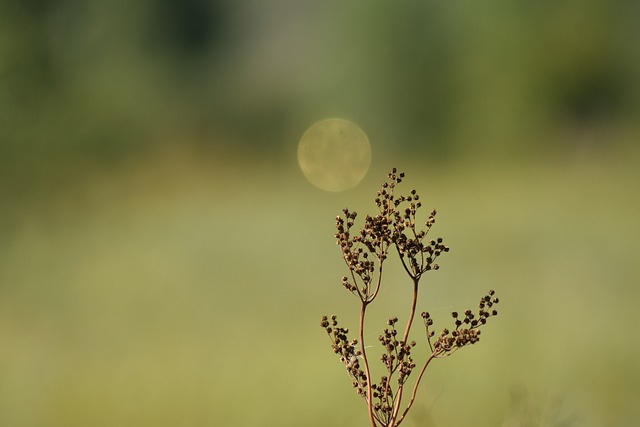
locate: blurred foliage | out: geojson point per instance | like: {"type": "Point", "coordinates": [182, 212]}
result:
{"type": "Point", "coordinates": [102, 79]}
{"type": "Point", "coordinates": [187, 290]}
{"type": "Point", "coordinates": [162, 261]}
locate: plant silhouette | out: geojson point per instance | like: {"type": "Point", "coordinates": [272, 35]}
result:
{"type": "Point", "coordinates": [395, 232]}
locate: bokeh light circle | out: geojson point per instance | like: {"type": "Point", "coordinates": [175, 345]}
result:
{"type": "Point", "coordinates": [334, 154]}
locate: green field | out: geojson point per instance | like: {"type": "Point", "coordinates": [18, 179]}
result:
{"type": "Point", "coordinates": [186, 290]}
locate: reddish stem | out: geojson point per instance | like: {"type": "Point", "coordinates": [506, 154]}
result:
{"type": "Point", "coordinates": [405, 338]}
{"type": "Point", "coordinates": [366, 363]}
{"type": "Point", "coordinates": [415, 389]}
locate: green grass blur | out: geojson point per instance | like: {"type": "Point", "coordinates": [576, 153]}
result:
{"type": "Point", "coordinates": [183, 291]}
{"type": "Point", "coordinates": [164, 262]}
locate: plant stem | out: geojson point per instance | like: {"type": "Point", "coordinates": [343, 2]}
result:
{"type": "Point", "coordinates": [415, 388]}
{"type": "Point", "coordinates": [363, 309]}
{"type": "Point", "coordinates": [405, 338]}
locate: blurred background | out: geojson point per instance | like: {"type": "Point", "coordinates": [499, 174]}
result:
{"type": "Point", "coordinates": [164, 262]}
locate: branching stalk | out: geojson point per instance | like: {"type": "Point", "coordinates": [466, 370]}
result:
{"type": "Point", "coordinates": [364, 254]}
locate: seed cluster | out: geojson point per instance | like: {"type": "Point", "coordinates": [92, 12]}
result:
{"type": "Point", "coordinates": [398, 353]}
{"type": "Point", "coordinates": [466, 330]}
{"type": "Point", "coordinates": [396, 359]}
{"type": "Point", "coordinates": [395, 225]}
{"type": "Point", "coordinates": [347, 350]}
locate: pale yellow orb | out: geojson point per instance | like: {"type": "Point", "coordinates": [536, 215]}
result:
{"type": "Point", "coordinates": [334, 154]}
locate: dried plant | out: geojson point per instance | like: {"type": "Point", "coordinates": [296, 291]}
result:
{"type": "Point", "coordinates": [395, 230]}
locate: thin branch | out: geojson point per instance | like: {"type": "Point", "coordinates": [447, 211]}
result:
{"type": "Point", "coordinates": [405, 339]}
{"type": "Point", "coordinates": [412, 313]}
{"type": "Point", "coordinates": [415, 388]}
{"type": "Point", "coordinates": [379, 281]}
{"type": "Point", "coordinates": [404, 264]}
{"type": "Point", "coordinates": [366, 363]}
